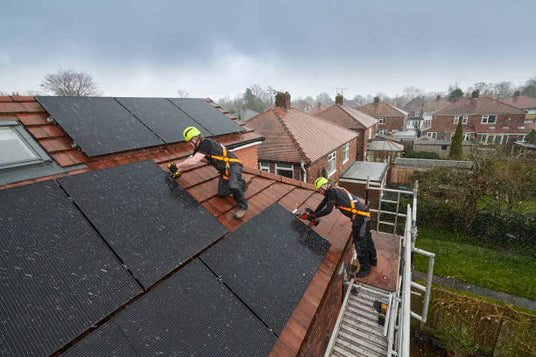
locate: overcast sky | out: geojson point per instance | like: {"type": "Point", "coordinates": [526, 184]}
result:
{"type": "Point", "coordinates": [215, 48]}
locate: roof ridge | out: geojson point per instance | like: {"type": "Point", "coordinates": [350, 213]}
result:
{"type": "Point", "coordinates": [292, 137]}
{"type": "Point", "coordinates": [326, 121]}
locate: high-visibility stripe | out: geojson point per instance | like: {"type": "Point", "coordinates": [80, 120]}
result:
{"type": "Point", "coordinates": [352, 209]}
{"type": "Point", "coordinates": [225, 159]}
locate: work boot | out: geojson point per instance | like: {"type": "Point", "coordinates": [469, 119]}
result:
{"type": "Point", "coordinates": [240, 213]}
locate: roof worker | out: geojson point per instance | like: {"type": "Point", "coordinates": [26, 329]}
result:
{"type": "Point", "coordinates": [229, 167]}
{"type": "Point", "coordinates": [355, 209]}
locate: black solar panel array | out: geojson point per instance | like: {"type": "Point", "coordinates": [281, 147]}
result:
{"type": "Point", "coordinates": [105, 125]}
{"type": "Point", "coordinates": [269, 262]}
{"type": "Point", "coordinates": [190, 314]}
{"type": "Point", "coordinates": [57, 276]}
{"type": "Point", "coordinates": [151, 228]}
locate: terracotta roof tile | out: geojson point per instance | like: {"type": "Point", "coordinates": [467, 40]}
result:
{"type": "Point", "coordinates": [5, 99]}
{"type": "Point", "coordinates": [482, 105]}
{"type": "Point", "coordinates": [33, 118]}
{"type": "Point", "coordinates": [382, 109]}
{"type": "Point", "coordinates": [69, 158]}
{"type": "Point", "coordinates": [46, 131]}
{"type": "Point", "coordinates": [521, 102]}
{"type": "Point", "coordinates": [53, 145]}
{"type": "Point", "coordinates": [24, 98]}
{"type": "Point", "coordinates": [12, 108]}
{"type": "Point", "coordinates": [348, 117]}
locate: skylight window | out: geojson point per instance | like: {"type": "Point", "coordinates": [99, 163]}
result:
{"type": "Point", "coordinates": [17, 148]}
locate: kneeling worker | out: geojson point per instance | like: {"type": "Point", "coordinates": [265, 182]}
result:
{"type": "Point", "coordinates": [229, 167]}
{"type": "Point", "coordinates": [358, 212]}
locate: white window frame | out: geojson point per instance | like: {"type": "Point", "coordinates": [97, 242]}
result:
{"type": "Point", "coordinates": [264, 166]}
{"type": "Point", "coordinates": [382, 131]}
{"type": "Point", "coordinates": [432, 135]}
{"type": "Point", "coordinates": [465, 118]}
{"type": "Point", "coordinates": [381, 119]}
{"type": "Point", "coordinates": [332, 163]}
{"type": "Point", "coordinates": [15, 130]}
{"type": "Point", "coordinates": [346, 153]}
{"type": "Point", "coordinates": [485, 119]}
{"type": "Point", "coordinates": [466, 136]}
{"type": "Point", "coordinates": [280, 166]}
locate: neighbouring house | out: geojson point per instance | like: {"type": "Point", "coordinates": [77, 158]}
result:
{"type": "Point", "coordinates": [404, 168]}
{"type": "Point", "coordinates": [441, 147]}
{"type": "Point", "coordinates": [525, 103]}
{"type": "Point", "coordinates": [484, 120]}
{"type": "Point", "coordinates": [363, 124]}
{"type": "Point", "coordinates": [300, 145]}
{"type": "Point", "coordinates": [421, 118]}
{"type": "Point", "coordinates": [356, 177]}
{"type": "Point", "coordinates": [103, 253]}
{"type": "Point", "coordinates": [391, 119]}
{"type": "Point", "coordinates": [383, 149]}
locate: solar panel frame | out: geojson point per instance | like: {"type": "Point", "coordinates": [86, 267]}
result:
{"type": "Point", "coordinates": [190, 314]}
{"type": "Point", "coordinates": [152, 227]}
{"type": "Point", "coordinates": [99, 125]}
{"type": "Point", "coordinates": [57, 276]}
{"type": "Point", "coordinates": [208, 117]}
{"type": "Point", "coordinates": [268, 263]}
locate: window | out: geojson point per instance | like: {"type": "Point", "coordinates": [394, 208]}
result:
{"type": "Point", "coordinates": [264, 166]}
{"type": "Point", "coordinates": [345, 152]}
{"type": "Point", "coordinates": [382, 120]}
{"type": "Point", "coordinates": [464, 119]}
{"type": "Point", "coordinates": [466, 136]}
{"type": "Point", "coordinates": [286, 170]}
{"type": "Point", "coordinates": [332, 163]}
{"type": "Point", "coordinates": [431, 135]}
{"type": "Point", "coordinates": [17, 147]}
{"type": "Point", "coordinates": [489, 119]}
{"type": "Point", "coordinates": [382, 131]}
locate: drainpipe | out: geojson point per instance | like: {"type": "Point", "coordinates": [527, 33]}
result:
{"type": "Point", "coordinates": [304, 171]}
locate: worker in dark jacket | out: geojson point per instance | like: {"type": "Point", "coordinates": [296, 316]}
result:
{"type": "Point", "coordinates": [358, 212]}
{"type": "Point", "coordinates": [229, 167]}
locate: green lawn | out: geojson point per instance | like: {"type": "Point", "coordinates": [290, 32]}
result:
{"type": "Point", "coordinates": [458, 259]}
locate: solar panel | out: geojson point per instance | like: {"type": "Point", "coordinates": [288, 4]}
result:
{"type": "Point", "coordinates": [269, 262]}
{"type": "Point", "coordinates": [207, 116]}
{"type": "Point", "coordinates": [190, 314]}
{"type": "Point", "coordinates": [57, 276]}
{"type": "Point", "coordinates": [151, 227]}
{"type": "Point", "coordinates": [99, 125]}
{"type": "Point", "coordinates": [161, 116]}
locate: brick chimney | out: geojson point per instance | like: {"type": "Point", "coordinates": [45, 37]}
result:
{"type": "Point", "coordinates": [517, 93]}
{"type": "Point", "coordinates": [339, 99]}
{"type": "Point", "coordinates": [475, 93]}
{"type": "Point", "coordinates": [282, 100]}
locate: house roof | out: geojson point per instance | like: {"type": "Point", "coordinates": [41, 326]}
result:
{"type": "Point", "coordinates": [348, 117]}
{"type": "Point", "coordinates": [200, 183]}
{"type": "Point", "coordinates": [521, 102]}
{"type": "Point", "coordinates": [382, 109]}
{"type": "Point", "coordinates": [317, 109]}
{"type": "Point", "coordinates": [435, 105]}
{"type": "Point", "coordinates": [363, 170]}
{"type": "Point", "coordinates": [481, 105]}
{"type": "Point", "coordinates": [294, 136]}
{"type": "Point", "coordinates": [385, 145]}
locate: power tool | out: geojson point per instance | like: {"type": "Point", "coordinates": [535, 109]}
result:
{"type": "Point", "coordinates": [175, 172]}
{"type": "Point", "coordinates": [308, 215]}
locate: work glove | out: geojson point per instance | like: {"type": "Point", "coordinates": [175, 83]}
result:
{"type": "Point", "coordinates": [174, 170]}
{"type": "Point", "coordinates": [311, 217]}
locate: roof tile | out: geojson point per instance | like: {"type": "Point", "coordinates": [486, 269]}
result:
{"type": "Point", "coordinates": [33, 118]}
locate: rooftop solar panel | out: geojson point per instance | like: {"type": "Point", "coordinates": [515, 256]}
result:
{"type": "Point", "coordinates": [207, 116]}
{"type": "Point", "coordinates": [269, 262]}
{"type": "Point", "coordinates": [161, 116]}
{"type": "Point", "coordinates": [190, 314]}
{"type": "Point", "coordinates": [57, 276]}
{"type": "Point", "coordinates": [151, 228]}
{"type": "Point", "coordinates": [99, 125]}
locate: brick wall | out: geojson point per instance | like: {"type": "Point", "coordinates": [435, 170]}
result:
{"type": "Point", "coordinates": [359, 190]}
{"type": "Point", "coordinates": [319, 333]}
{"type": "Point", "coordinates": [248, 156]}
{"type": "Point", "coordinates": [314, 171]}
{"type": "Point", "coordinates": [392, 123]}
{"type": "Point", "coordinates": [444, 124]}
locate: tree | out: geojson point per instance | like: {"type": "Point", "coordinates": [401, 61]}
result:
{"type": "Point", "coordinates": [502, 90]}
{"type": "Point", "coordinates": [456, 149]}
{"type": "Point", "coordinates": [531, 137]}
{"type": "Point", "coordinates": [182, 93]}
{"type": "Point", "coordinates": [70, 83]}
{"type": "Point", "coordinates": [529, 88]}
{"type": "Point", "coordinates": [455, 95]}
{"type": "Point", "coordinates": [324, 99]}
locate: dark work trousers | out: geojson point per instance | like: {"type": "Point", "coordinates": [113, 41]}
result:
{"type": "Point", "coordinates": [364, 245]}
{"type": "Point", "coordinates": [235, 185]}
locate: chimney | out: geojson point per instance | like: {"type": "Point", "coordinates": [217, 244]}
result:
{"type": "Point", "coordinates": [438, 97]}
{"type": "Point", "coordinates": [282, 100]}
{"type": "Point", "coordinates": [475, 93]}
{"type": "Point", "coordinates": [517, 93]}
{"type": "Point", "coordinates": [376, 100]}
{"type": "Point", "coordinates": [339, 99]}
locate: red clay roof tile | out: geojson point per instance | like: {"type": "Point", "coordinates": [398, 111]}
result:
{"type": "Point", "coordinates": [33, 118]}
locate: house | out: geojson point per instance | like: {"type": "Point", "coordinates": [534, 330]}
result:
{"type": "Point", "coordinates": [484, 119]}
{"type": "Point", "coordinates": [363, 124]}
{"type": "Point", "coordinates": [384, 149]}
{"type": "Point", "coordinates": [421, 119]}
{"type": "Point", "coordinates": [525, 103]}
{"type": "Point", "coordinates": [104, 254]}
{"type": "Point", "coordinates": [302, 146]}
{"type": "Point", "coordinates": [439, 146]}
{"type": "Point", "coordinates": [391, 119]}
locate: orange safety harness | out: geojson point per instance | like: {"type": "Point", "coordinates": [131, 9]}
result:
{"type": "Point", "coordinates": [351, 209]}
{"type": "Point", "coordinates": [225, 159]}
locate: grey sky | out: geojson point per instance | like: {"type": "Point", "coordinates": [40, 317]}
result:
{"type": "Point", "coordinates": [217, 48]}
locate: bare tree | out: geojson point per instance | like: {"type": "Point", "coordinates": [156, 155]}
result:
{"type": "Point", "coordinates": [183, 94]}
{"type": "Point", "coordinates": [70, 83]}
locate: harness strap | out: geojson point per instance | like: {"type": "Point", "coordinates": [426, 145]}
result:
{"type": "Point", "coordinates": [351, 209]}
{"type": "Point", "coordinates": [225, 159]}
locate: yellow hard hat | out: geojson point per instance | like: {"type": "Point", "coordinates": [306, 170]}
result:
{"type": "Point", "coordinates": [320, 181]}
{"type": "Point", "coordinates": [190, 132]}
